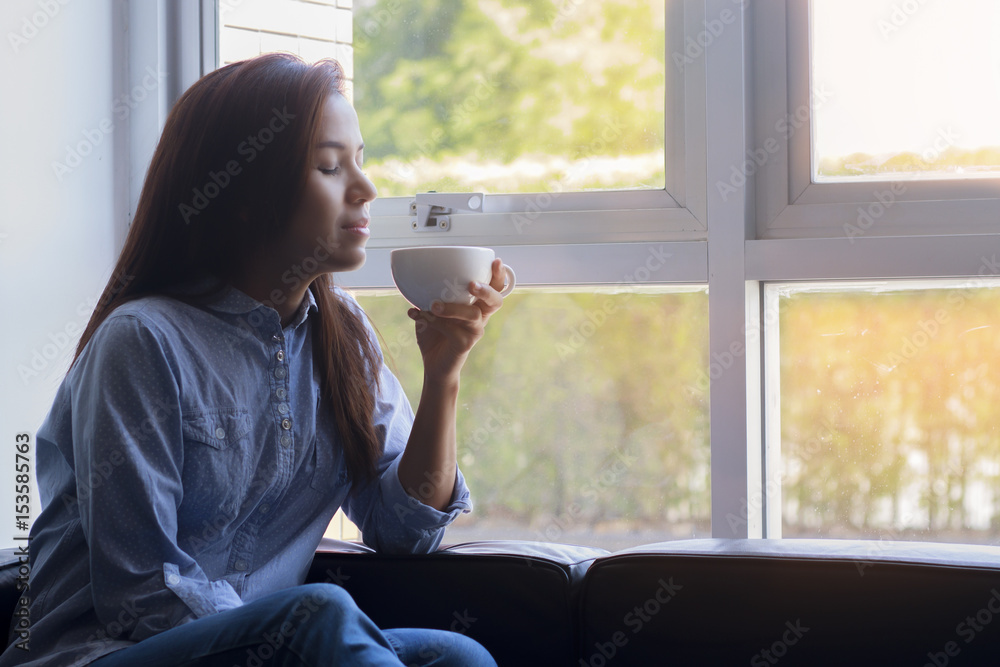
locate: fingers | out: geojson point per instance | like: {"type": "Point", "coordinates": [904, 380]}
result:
{"type": "Point", "coordinates": [463, 325]}
{"type": "Point", "coordinates": [487, 295]}
{"type": "Point", "coordinates": [453, 311]}
{"type": "Point", "coordinates": [499, 275]}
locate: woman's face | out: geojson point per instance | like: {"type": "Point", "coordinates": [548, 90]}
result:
{"type": "Point", "coordinates": [329, 226]}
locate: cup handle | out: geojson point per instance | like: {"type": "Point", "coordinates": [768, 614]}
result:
{"type": "Point", "coordinates": [511, 281]}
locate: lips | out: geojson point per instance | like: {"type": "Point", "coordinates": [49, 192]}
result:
{"type": "Point", "coordinates": [358, 226]}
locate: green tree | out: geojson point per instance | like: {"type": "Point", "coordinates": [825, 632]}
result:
{"type": "Point", "coordinates": [494, 81]}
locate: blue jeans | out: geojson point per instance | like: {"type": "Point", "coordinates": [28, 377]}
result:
{"type": "Point", "coordinates": [313, 625]}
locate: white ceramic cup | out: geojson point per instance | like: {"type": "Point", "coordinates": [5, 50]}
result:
{"type": "Point", "coordinates": [428, 273]}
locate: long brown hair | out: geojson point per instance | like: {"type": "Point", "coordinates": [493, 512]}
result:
{"type": "Point", "coordinates": [224, 180]}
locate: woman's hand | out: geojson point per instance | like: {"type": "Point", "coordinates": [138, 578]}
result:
{"type": "Point", "coordinates": [428, 466]}
{"type": "Point", "coordinates": [447, 333]}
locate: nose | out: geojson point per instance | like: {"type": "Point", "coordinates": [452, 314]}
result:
{"type": "Point", "coordinates": [364, 189]}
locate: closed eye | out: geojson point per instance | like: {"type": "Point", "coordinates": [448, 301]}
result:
{"type": "Point", "coordinates": [330, 172]}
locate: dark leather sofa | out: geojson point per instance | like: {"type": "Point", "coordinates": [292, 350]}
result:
{"type": "Point", "coordinates": [689, 602]}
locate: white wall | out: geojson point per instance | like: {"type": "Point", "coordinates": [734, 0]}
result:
{"type": "Point", "coordinates": [59, 232]}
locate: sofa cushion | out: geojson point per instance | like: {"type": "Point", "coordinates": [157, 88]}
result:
{"type": "Point", "coordinates": [796, 602]}
{"type": "Point", "coordinates": [518, 599]}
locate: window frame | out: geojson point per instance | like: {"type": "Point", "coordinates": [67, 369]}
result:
{"type": "Point", "coordinates": [770, 226]}
{"type": "Point", "coordinates": [790, 205]}
{"type": "Point", "coordinates": [527, 228]}
{"type": "Point", "coordinates": [675, 213]}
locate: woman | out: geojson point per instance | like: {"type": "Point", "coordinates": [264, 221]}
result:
{"type": "Point", "coordinates": [226, 399]}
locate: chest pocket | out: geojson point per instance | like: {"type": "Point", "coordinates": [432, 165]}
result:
{"type": "Point", "coordinates": [219, 462]}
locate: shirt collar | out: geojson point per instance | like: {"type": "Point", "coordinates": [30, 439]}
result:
{"type": "Point", "coordinates": [227, 299]}
{"type": "Point", "coordinates": [306, 308]}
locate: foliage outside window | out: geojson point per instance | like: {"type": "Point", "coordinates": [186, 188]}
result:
{"type": "Point", "coordinates": [889, 420]}
{"type": "Point", "coordinates": [504, 96]}
{"type": "Point", "coordinates": [583, 415]}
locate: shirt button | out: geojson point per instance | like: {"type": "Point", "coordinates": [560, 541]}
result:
{"type": "Point", "coordinates": [280, 372]}
{"type": "Point", "coordinates": [283, 409]}
{"type": "Point", "coordinates": [281, 393]}
{"type": "Point", "coordinates": [220, 433]}
{"type": "Point", "coordinates": [280, 355]}
{"type": "Point", "coordinates": [173, 579]}
{"type": "Point", "coordinates": [285, 440]}
{"type": "Point", "coordinates": [264, 509]}
{"type": "Point", "coordinates": [286, 424]}
{"type": "Point", "coordinates": [276, 338]}
{"type": "Point", "coordinates": [240, 565]}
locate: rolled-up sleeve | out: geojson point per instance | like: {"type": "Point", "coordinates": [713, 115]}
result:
{"type": "Point", "coordinates": [127, 436]}
{"type": "Point", "coordinates": [390, 519]}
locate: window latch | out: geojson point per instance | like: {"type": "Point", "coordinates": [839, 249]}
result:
{"type": "Point", "coordinates": [431, 211]}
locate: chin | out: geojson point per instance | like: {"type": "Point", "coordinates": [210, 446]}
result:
{"type": "Point", "coordinates": [351, 263]}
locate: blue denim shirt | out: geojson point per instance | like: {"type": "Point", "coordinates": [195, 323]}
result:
{"type": "Point", "coordinates": [188, 466]}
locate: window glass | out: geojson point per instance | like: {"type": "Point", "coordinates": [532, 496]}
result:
{"type": "Point", "coordinates": [888, 411]}
{"type": "Point", "coordinates": [485, 95]}
{"type": "Point", "coordinates": [567, 431]}
{"type": "Point", "coordinates": [583, 414]}
{"type": "Point", "coordinates": [905, 89]}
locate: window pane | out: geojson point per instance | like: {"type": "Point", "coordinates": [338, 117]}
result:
{"type": "Point", "coordinates": [583, 415]}
{"type": "Point", "coordinates": [889, 419]}
{"type": "Point", "coordinates": [511, 96]}
{"type": "Point", "coordinates": [486, 95]}
{"type": "Point", "coordinates": [905, 89]}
